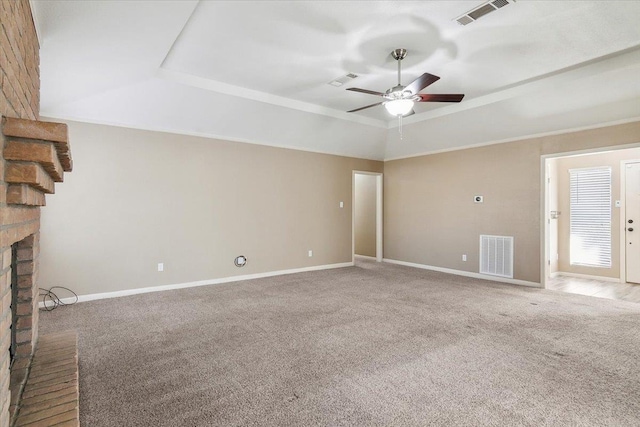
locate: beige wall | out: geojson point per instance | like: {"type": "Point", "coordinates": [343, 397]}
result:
{"type": "Point", "coordinates": [430, 217]}
{"type": "Point", "coordinates": [365, 215]}
{"type": "Point", "coordinates": [137, 198]}
{"type": "Point", "coordinates": [611, 159]}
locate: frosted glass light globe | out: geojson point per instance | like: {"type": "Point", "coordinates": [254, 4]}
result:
{"type": "Point", "coordinates": [399, 107]}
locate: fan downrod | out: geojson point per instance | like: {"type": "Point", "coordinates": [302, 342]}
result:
{"type": "Point", "coordinates": [398, 55]}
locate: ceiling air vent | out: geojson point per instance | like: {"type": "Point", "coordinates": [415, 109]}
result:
{"type": "Point", "coordinates": [342, 80]}
{"type": "Point", "coordinates": [499, 3]}
{"type": "Point", "coordinates": [464, 20]}
{"type": "Point", "coordinates": [482, 10]}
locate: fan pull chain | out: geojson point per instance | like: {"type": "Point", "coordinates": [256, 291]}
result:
{"type": "Point", "coordinates": [400, 126]}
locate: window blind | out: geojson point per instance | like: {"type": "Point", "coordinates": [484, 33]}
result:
{"type": "Point", "coordinates": [590, 238]}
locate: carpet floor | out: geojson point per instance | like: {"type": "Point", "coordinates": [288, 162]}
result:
{"type": "Point", "coordinates": [370, 345]}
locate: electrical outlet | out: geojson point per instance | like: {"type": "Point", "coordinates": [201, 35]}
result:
{"type": "Point", "coordinates": [464, 257]}
{"type": "Point", "coordinates": [341, 205]}
{"type": "Point", "coordinates": [310, 253]}
{"type": "Point", "coordinates": [161, 266]}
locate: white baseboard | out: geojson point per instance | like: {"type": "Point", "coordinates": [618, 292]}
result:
{"type": "Point", "coordinates": [588, 276]}
{"type": "Point", "coordinates": [553, 275]}
{"type": "Point", "coordinates": [465, 273]}
{"type": "Point", "coordinates": [128, 292]}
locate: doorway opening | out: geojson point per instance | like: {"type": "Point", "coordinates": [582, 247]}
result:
{"type": "Point", "coordinates": [366, 227]}
{"type": "Point", "coordinates": [587, 239]}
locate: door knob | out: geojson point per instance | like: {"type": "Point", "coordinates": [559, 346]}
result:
{"type": "Point", "coordinates": [630, 221]}
{"type": "Point", "coordinates": [630, 229]}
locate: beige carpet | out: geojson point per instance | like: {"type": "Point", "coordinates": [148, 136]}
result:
{"type": "Point", "coordinates": [372, 345]}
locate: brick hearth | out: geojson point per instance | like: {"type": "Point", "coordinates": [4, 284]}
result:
{"type": "Point", "coordinates": [51, 394]}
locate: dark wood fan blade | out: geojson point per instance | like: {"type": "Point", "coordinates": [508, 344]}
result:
{"type": "Point", "coordinates": [370, 92]}
{"type": "Point", "coordinates": [362, 108]}
{"type": "Point", "coordinates": [440, 97]}
{"type": "Point", "coordinates": [421, 82]}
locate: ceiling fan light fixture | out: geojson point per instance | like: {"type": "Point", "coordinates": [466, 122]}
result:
{"type": "Point", "coordinates": [399, 107]}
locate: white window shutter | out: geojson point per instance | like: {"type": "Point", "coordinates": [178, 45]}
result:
{"type": "Point", "coordinates": [590, 217]}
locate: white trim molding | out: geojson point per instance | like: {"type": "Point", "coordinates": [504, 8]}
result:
{"type": "Point", "coordinates": [255, 95]}
{"type": "Point", "coordinates": [607, 63]}
{"type": "Point", "coordinates": [526, 137]}
{"type": "Point", "coordinates": [178, 132]}
{"type": "Point", "coordinates": [465, 273]}
{"type": "Point", "coordinates": [220, 281]}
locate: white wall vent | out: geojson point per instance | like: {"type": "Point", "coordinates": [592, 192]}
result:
{"type": "Point", "coordinates": [496, 255]}
{"type": "Point", "coordinates": [482, 10]}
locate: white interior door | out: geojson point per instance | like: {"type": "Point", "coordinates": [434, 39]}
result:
{"type": "Point", "coordinates": [632, 222]}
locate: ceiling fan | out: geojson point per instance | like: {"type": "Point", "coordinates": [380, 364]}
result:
{"type": "Point", "coordinates": [399, 100]}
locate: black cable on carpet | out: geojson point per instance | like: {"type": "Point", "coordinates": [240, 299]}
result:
{"type": "Point", "coordinates": [51, 301]}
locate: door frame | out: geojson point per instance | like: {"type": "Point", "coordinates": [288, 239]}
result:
{"type": "Point", "coordinates": [379, 212]}
{"type": "Point", "coordinates": [544, 207]}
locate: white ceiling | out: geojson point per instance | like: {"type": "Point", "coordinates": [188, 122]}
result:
{"type": "Point", "coordinates": [257, 72]}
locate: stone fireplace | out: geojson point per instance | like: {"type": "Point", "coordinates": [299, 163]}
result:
{"type": "Point", "coordinates": [33, 156]}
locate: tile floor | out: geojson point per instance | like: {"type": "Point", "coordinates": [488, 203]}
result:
{"type": "Point", "coordinates": [595, 288]}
